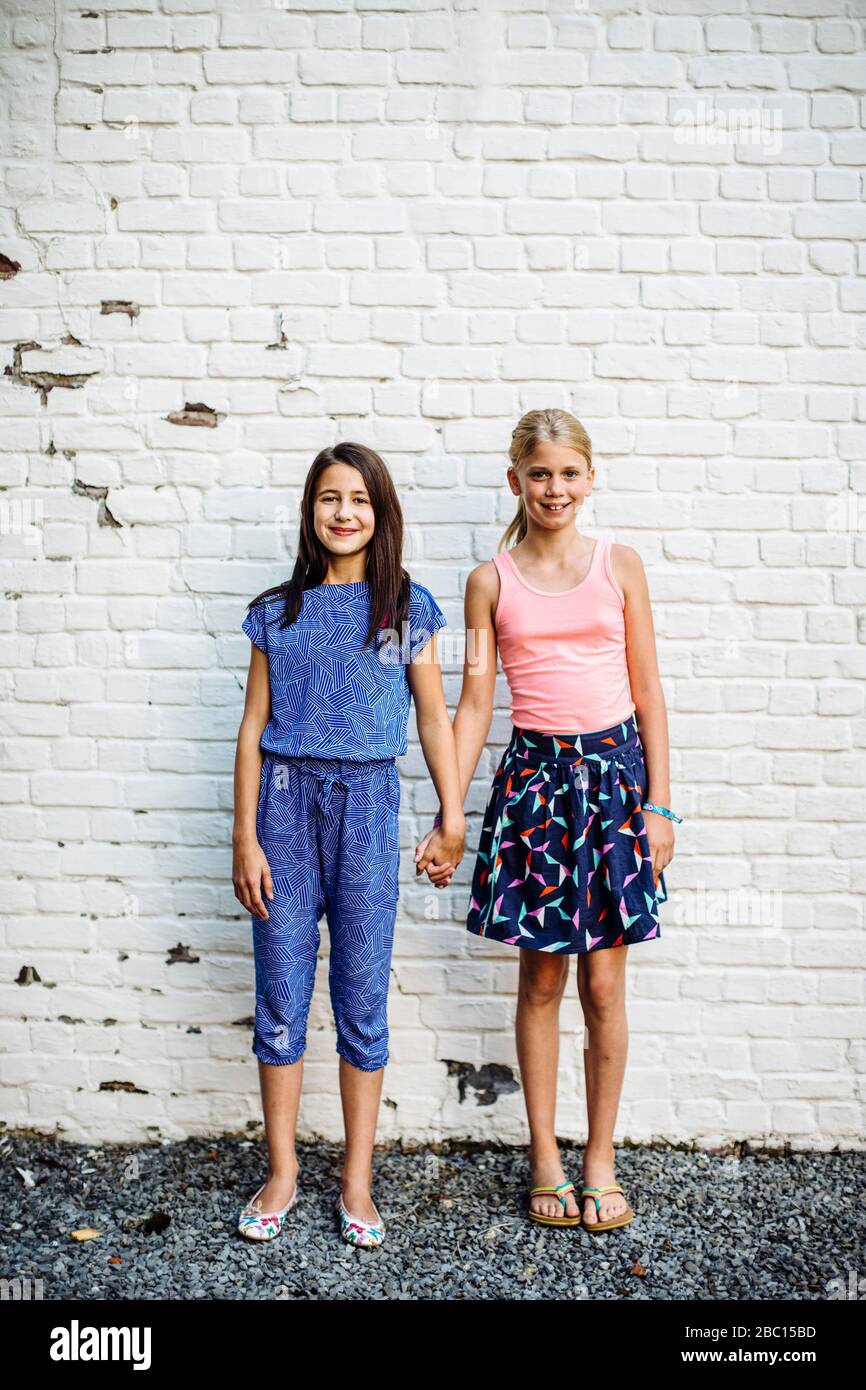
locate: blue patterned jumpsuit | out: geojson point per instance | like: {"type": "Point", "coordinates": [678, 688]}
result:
{"type": "Point", "coordinates": [328, 815]}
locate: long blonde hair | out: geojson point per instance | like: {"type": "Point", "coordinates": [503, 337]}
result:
{"type": "Point", "coordinates": [541, 427]}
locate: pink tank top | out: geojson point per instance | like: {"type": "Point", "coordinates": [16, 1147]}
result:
{"type": "Point", "coordinates": [564, 654]}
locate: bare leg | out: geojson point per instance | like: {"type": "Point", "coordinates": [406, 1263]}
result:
{"type": "Point", "coordinates": [542, 982]}
{"type": "Point", "coordinates": [281, 1094]}
{"type": "Point", "coordinates": [601, 987]}
{"type": "Point", "coordinates": [360, 1092]}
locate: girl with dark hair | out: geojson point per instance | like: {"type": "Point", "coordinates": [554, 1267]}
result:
{"type": "Point", "coordinates": [338, 651]}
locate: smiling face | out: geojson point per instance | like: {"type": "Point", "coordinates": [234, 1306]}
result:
{"type": "Point", "coordinates": [554, 483]}
{"type": "Point", "coordinates": [343, 516]}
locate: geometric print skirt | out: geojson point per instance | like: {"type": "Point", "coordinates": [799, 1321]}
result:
{"type": "Point", "coordinates": [563, 858]}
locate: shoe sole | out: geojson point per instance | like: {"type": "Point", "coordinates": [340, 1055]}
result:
{"type": "Point", "coordinates": [607, 1225]}
{"type": "Point", "coordinates": [555, 1221]}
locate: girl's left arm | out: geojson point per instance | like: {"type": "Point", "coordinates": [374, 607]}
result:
{"type": "Point", "coordinates": [445, 847]}
{"type": "Point", "coordinates": [648, 696]}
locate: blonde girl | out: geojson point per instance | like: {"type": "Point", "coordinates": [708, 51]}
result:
{"type": "Point", "coordinates": [577, 829]}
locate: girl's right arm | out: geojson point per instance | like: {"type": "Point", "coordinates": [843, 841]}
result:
{"type": "Point", "coordinates": [474, 713]}
{"type": "Point", "coordinates": [250, 868]}
{"type": "Point", "coordinates": [475, 708]}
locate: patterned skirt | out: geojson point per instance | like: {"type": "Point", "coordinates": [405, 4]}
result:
{"type": "Point", "coordinates": [563, 859]}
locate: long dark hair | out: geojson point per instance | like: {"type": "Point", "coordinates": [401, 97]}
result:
{"type": "Point", "coordinates": [389, 582]}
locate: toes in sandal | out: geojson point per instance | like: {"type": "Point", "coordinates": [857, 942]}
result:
{"type": "Point", "coordinates": [561, 1192]}
{"type": "Point", "coordinates": [256, 1224]}
{"type": "Point", "coordinates": [357, 1232]}
{"type": "Point", "coordinates": [596, 1193]}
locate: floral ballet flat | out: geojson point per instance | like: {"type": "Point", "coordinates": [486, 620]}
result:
{"type": "Point", "coordinates": [357, 1232]}
{"type": "Point", "coordinates": [256, 1224]}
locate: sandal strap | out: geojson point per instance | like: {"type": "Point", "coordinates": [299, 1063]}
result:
{"type": "Point", "coordinates": [561, 1191]}
{"type": "Point", "coordinates": [591, 1192]}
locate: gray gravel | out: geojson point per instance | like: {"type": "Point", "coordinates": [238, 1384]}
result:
{"type": "Point", "coordinates": [708, 1226]}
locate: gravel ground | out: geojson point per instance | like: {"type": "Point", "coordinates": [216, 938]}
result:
{"type": "Point", "coordinates": [753, 1226]}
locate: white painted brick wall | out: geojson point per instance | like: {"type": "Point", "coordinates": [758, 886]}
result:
{"type": "Point", "coordinates": [448, 215]}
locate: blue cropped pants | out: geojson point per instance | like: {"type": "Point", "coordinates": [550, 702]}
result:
{"type": "Point", "coordinates": [329, 830]}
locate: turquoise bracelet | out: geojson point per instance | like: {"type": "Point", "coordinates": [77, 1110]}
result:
{"type": "Point", "coordinates": [662, 811]}
{"type": "Point", "coordinates": [437, 820]}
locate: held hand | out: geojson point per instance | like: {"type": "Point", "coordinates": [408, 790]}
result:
{"type": "Point", "coordinates": [660, 834]}
{"type": "Point", "coordinates": [251, 872]}
{"type": "Point", "coordinates": [422, 845]}
{"type": "Point", "coordinates": [440, 851]}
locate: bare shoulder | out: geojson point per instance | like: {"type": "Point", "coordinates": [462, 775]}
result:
{"type": "Point", "coordinates": [484, 579]}
{"type": "Point", "coordinates": [482, 588]}
{"type": "Point", "coordinates": [627, 566]}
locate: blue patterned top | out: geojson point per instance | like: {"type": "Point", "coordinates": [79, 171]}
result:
{"type": "Point", "coordinates": [330, 696]}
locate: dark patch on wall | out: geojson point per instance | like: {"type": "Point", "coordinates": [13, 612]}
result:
{"type": "Point", "coordinates": [120, 306]}
{"type": "Point", "coordinates": [46, 381]}
{"type": "Point", "coordinates": [8, 267]}
{"type": "Point", "coordinates": [489, 1082]}
{"type": "Point", "coordinates": [98, 494]}
{"type": "Point", "coordinates": [181, 954]}
{"type": "Point", "coordinates": [28, 975]}
{"type": "Point", "coordinates": [195, 413]}
{"type": "Point", "coordinates": [129, 1086]}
